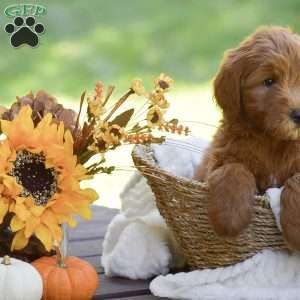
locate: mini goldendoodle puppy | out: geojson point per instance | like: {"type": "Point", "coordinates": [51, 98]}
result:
{"type": "Point", "coordinates": [257, 145]}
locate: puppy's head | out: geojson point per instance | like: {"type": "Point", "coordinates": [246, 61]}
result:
{"type": "Point", "coordinates": [259, 83]}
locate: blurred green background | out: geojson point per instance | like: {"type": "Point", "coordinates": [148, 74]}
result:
{"type": "Point", "coordinates": [117, 40]}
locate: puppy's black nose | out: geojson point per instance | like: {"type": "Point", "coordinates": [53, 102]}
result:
{"type": "Point", "coordinates": [295, 115]}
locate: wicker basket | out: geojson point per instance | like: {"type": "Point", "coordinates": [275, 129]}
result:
{"type": "Point", "coordinates": [183, 204]}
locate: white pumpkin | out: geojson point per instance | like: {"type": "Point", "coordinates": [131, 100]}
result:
{"type": "Point", "coordinates": [19, 280]}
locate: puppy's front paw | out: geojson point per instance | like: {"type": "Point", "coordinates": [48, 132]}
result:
{"type": "Point", "coordinates": [290, 212]}
{"type": "Point", "coordinates": [232, 189]}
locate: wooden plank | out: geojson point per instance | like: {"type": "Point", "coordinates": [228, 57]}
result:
{"type": "Point", "coordinates": [85, 248]}
{"type": "Point", "coordinates": [88, 230]}
{"type": "Point", "coordinates": [118, 287]}
{"type": "Point", "coordinates": [144, 297]}
{"type": "Point", "coordinates": [93, 260]}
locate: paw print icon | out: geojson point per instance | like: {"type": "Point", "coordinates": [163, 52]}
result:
{"type": "Point", "coordinates": [24, 31]}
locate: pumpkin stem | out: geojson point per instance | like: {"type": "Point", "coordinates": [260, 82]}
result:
{"type": "Point", "coordinates": [6, 260]}
{"type": "Point", "coordinates": [60, 256]}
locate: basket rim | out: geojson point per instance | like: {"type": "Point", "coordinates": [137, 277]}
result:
{"type": "Point", "coordinates": [145, 154]}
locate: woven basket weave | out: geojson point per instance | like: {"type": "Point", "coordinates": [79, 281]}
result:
{"type": "Point", "coordinates": [183, 204]}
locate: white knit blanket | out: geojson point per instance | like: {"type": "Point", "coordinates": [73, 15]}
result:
{"type": "Point", "coordinates": [138, 245]}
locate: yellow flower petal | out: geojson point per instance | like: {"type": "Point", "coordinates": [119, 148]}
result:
{"type": "Point", "coordinates": [22, 212]}
{"type": "Point", "coordinates": [61, 218]}
{"type": "Point", "coordinates": [49, 164]}
{"type": "Point", "coordinates": [45, 236]}
{"type": "Point", "coordinates": [5, 127]}
{"type": "Point", "coordinates": [19, 131]}
{"type": "Point", "coordinates": [3, 208]}
{"type": "Point", "coordinates": [20, 200]}
{"type": "Point", "coordinates": [37, 210]}
{"type": "Point", "coordinates": [31, 225]}
{"type": "Point", "coordinates": [29, 202]}
{"type": "Point", "coordinates": [6, 155]}
{"type": "Point", "coordinates": [25, 114]}
{"type": "Point", "coordinates": [49, 219]}
{"type": "Point", "coordinates": [45, 122]}
{"type": "Point", "coordinates": [60, 132]}
{"type": "Point", "coordinates": [12, 207]}
{"type": "Point", "coordinates": [90, 194]}
{"type": "Point", "coordinates": [66, 218]}
{"type": "Point", "coordinates": [62, 207]}
{"type": "Point", "coordinates": [56, 232]}
{"type": "Point", "coordinates": [80, 173]}
{"type": "Point", "coordinates": [19, 241]}
{"type": "Point", "coordinates": [13, 189]}
{"type": "Point", "coordinates": [72, 222]}
{"type": "Point", "coordinates": [16, 224]}
{"type": "Point", "coordinates": [68, 142]}
{"type": "Point", "coordinates": [84, 211]}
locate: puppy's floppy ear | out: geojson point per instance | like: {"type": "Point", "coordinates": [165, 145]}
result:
{"type": "Point", "coordinates": [227, 85]}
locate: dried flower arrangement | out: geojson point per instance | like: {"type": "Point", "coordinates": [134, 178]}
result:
{"type": "Point", "coordinates": [46, 151]}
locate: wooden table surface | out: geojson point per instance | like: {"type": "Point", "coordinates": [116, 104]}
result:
{"type": "Point", "coordinates": [85, 241]}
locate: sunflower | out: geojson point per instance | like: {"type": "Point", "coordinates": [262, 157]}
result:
{"type": "Point", "coordinates": [40, 179]}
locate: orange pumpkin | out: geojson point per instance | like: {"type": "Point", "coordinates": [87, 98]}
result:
{"type": "Point", "coordinates": [67, 278]}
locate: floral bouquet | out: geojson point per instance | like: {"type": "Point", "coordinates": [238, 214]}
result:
{"type": "Point", "coordinates": [46, 151]}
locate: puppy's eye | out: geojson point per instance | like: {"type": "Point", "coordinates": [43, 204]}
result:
{"type": "Point", "coordinates": [268, 82]}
